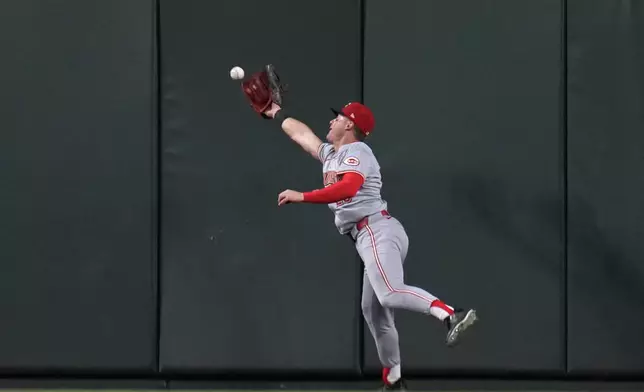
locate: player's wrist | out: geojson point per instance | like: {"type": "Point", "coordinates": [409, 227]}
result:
{"type": "Point", "coordinates": [281, 115]}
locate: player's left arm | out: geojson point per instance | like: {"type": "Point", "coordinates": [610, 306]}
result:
{"type": "Point", "coordinates": [347, 187]}
{"type": "Point", "coordinates": [352, 172]}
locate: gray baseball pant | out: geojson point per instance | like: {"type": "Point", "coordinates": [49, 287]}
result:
{"type": "Point", "coordinates": [382, 244]}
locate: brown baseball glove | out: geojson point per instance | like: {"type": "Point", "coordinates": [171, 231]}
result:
{"type": "Point", "coordinates": [263, 88]}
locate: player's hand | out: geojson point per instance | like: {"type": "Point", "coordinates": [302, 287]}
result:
{"type": "Point", "coordinates": [272, 110]}
{"type": "Point", "coordinates": [289, 196]}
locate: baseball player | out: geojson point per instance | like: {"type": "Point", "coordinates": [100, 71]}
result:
{"type": "Point", "coordinates": [352, 183]}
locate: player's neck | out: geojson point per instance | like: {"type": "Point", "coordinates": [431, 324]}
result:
{"type": "Point", "coordinates": [344, 141]}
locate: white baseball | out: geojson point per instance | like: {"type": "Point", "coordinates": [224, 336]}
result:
{"type": "Point", "coordinates": [237, 73]}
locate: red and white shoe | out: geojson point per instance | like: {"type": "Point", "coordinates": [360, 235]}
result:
{"type": "Point", "coordinates": [399, 385]}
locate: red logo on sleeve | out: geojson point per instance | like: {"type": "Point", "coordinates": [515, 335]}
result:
{"type": "Point", "coordinates": [351, 161]}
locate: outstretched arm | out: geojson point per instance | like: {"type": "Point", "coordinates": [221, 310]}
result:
{"type": "Point", "coordinates": [299, 132]}
{"type": "Point", "coordinates": [346, 188]}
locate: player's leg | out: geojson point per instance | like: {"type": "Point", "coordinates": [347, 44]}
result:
{"type": "Point", "coordinates": [380, 321]}
{"type": "Point", "coordinates": [383, 247]}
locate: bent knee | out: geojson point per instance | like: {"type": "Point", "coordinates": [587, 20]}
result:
{"type": "Point", "coordinates": [390, 299]}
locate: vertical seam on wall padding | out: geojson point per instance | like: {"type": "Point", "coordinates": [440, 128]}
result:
{"type": "Point", "coordinates": [362, 49]}
{"type": "Point", "coordinates": [564, 147]}
{"type": "Point", "coordinates": [361, 325]}
{"type": "Point", "coordinates": [156, 35]}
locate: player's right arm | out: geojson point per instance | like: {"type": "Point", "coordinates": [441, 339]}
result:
{"type": "Point", "coordinates": [299, 132]}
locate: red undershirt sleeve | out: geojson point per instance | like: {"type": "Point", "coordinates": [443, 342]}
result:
{"type": "Point", "coordinates": [347, 187]}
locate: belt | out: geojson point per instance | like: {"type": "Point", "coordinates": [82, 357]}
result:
{"type": "Point", "coordinates": [363, 222]}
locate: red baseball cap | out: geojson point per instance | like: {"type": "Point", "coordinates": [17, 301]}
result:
{"type": "Point", "coordinates": [359, 114]}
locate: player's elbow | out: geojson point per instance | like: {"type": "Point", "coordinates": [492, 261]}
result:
{"type": "Point", "coordinates": [352, 183]}
{"type": "Point", "coordinates": [353, 190]}
{"type": "Point", "coordinates": [347, 191]}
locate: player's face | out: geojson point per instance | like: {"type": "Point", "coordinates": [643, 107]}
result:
{"type": "Point", "coordinates": [337, 128]}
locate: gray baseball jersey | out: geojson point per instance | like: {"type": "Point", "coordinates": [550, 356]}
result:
{"type": "Point", "coordinates": [358, 158]}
